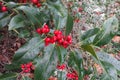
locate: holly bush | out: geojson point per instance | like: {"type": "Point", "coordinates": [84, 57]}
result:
{"type": "Point", "coordinates": [64, 39]}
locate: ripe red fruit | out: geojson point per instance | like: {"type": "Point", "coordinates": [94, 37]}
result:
{"type": "Point", "coordinates": [46, 26]}
{"type": "Point", "coordinates": [47, 39]}
{"type": "Point", "coordinates": [68, 38]}
{"type": "Point", "coordinates": [56, 32]}
{"type": "Point", "coordinates": [30, 63]}
{"type": "Point", "coordinates": [4, 8]}
{"type": "Point", "coordinates": [39, 31]}
{"type": "Point", "coordinates": [60, 41]}
{"type": "Point", "coordinates": [34, 1]}
{"type": "Point", "coordinates": [70, 41]}
{"type": "Point", "coordinates": [61, 67]}
{"type": "Point", "coordinates": [45, 30]}
{"type": "Point", "coordinates": [38, 5]}
{"type": "Point", "coordinates": [26, 71]}
{"type": "Point", "coordinates": [65, 44]}
{"type": "Point", "coordinates": [22, 66]}
{"type": "Point", "coordinates": [53, 39]}
{"type": "Point", "coordinates": [59, 36]}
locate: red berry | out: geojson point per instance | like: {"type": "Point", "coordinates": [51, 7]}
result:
{"type": "Point", "coordinates": [39, 31]}
{"type": "Point", "coordinates": [65, 44]}
{"type": "Point", "coordinates": [4, 8]}
{"type": "Point", "coordinates": [30, 63]}
{"type": "Point", "coordinates": [43, 30]}
{"type": "Point", "coordinates": [46, 26]}
{"type": "Point", "coordinates": [56, 32]}
{"type": "Point", "coordinates": [60, 32]}
{"type": "Point", "coordinates": [38, 5]}
{"type": "Point", "coordinates": [69, 38]}
{"type": "Point", "coordinates": [26, 71]}
{"type": "Point", "coordinates": [28, 66]}
{"type": "Point", "coordinates": [22, 66]}
{"type": "Point", "coordinates": [47, 39]}
{"type": "Point", "coordinates": [60, 41]}
{"type": "Point", "coordinates": [70, 41]}
{"type": "Point", "coordinates": [59, 36]}
{"type": "Point", "coordinates": [34, 1]}
{"type": "Point", "coordinates": [47, 30]}
{"type": "Point", "coordinates": [29, 69]}
{"type": "Point", "coordinates": [54, 38]}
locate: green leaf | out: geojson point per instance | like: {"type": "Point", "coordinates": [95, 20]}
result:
{"type": "Point", "coordinates": [46, 64]}
{"type": "Point", "coordinates": [111, 71]}
{"type": "Point", "coordinates": [4, 19]}
{"type": "Point", "coordinates": [59, 21]}
{"type": "Point", "coordinates": [7, 76]}
{"type": "Point", "coordinates": [57, 8]}
{"type": "Point", "coordinates": [62, 52]}
{"type": "Point", "coordinates": [110, 26]}
{"type": "Point", "coordinates": [90, 49]}
{"type": "Point", "coordinates": [75, 60]}
{"type": "Point", "coordinates": [59, 13]}
{"type": "Point", "coordinates": [26, 78]}
{"type": "Point", "coordinates": [69, 24]}
{"type": "Point", "coordinates": [90, 33]}
{"type": "Point", "coordinates": [17, 22]}
{"type": "Point", "coordinates": [32, 13]}
{"type": "Point", "coordinates": [28, 51]}
{"type": "Point", "coordinates": [13, 66]}
{"type": "Point", "coordinates": [105, 57]}
{"type": "Point", "coordinates": [11, 4]}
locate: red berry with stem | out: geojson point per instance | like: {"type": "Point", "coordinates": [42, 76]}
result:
{"type": "Point", "coordinates": [47, 41]}
{"type": "Point", "coordinates": [4, 8]}
{"type": "Point", "coordinates": [46, 26]}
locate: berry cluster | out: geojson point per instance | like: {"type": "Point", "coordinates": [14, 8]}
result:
{"type": "Point", "coordinates": [36, 2]}
{"type": "Point", "coordinates": [26, 68]}
{"type": "Point", "coordinates": [72, 75]}
{"type": "Point", "coordinates": [57, 37]}
{"type": "Point", "coordinates": [44, 30]}
{"type": "Point", "coordinates": [61, 67]}
{"type": "Point", "coordinates": [3, 8]}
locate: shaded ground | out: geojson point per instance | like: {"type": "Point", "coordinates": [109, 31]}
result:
{"type": "Point", "coordinates": [8, 45]}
